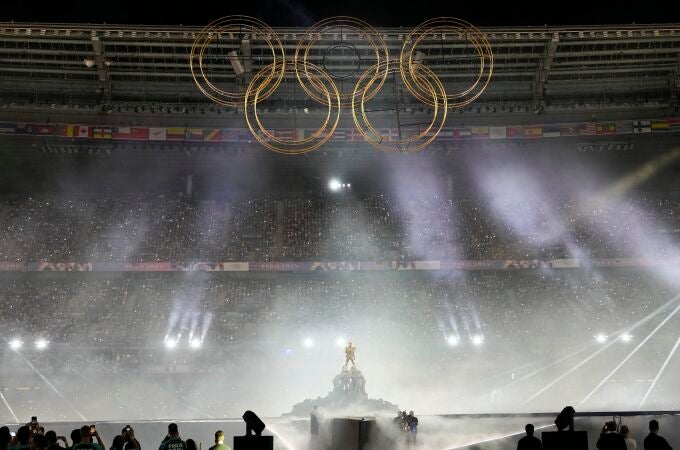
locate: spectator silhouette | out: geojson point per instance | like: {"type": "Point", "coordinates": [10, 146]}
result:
{"type": "Point", "coordinates": [529, 442]}
{"type": "Point", "coordinates": [86, 431]}
{"type": "Point", "coordinates": [610, 439]}
{"type": "Point", "coordinates": [5, 437]}
{"type": "Point", "coordinates": [172, 441]}
{"type": "Point", "coordinates": [219, 441]}
{"type": "Point", "coordinates": [631, 444]}
{"type": "Point", "coordinates": [565, 419]}
{"type": "Point", "coordinates": [653, 441]}
{"type": "Point", "coordinates": [21, 439]}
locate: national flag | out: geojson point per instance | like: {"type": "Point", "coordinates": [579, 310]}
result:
{"type": "Point", "coordinates": [660, 125]}
{"type": "Point", "coordinates": [139, 134]}
{"type": "Point", "coordinates": [157, 134]}
{"type": "Point", "coordinates": [446, 134]}
{"type": "Point", "coordinates": [569, 130]}
{"type": "Point", "coordinates": [463, 133]}
{"type": "Point", "coordinates": [587, 129]}
{"type": "Point", "coordinates": [624, 127]}
{"type": "Point", "coordinates": [194, 134]}
{"type": "Point", "coordinates": [497, 132]}
{"type": "Point", "coordinates": [514, 132]}
{"type": "Point", "coordinates": [7, 128]}
{"type": "Point", "coordinates": [22, 128]}
{"type": "Point", "coordinates": [212, 134]}
{"type": "Point", "coordinates": [353, 135]}
{"type": "Point", "coordinates": [605, 128]}
{"type": "Point", "coordinates": [533, 131]}
{"type": "Point", "coordinates": [42, 130]}
{"type": "Point", "coordinates": [175, 133]}
{"type": "Point", "coordinates": [480, 132]}
{"type": "Point", "coordinates": [103, 132]}
{"type": "Point", "coordinates": [552, 130]}
{"type": "Point", "coordinates": [66, 130]}
{"type": "Point", "coordinates": [283, 134]}
{"type": "Point", "coordinates": [339, 135]}
{"type": "Point", "coordinates": [84, 131]}
{"type": "Point", "coordinates": [642, 126]}
{"type": "Point", "coordinates": [121, 132]}
{"type": "Point", "coordinates": [219, 134]}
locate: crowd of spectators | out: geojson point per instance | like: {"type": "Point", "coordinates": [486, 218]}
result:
{"type": "Point", "coordinates": [228, 311]}
{"type": "Point", "coordinates": [374, 227]}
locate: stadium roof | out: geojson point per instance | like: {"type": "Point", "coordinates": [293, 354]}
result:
{"type": "Point", "coordinates": [545, 69]}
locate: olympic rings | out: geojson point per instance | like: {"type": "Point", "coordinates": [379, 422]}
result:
{"type": "Point", "coordinates": [413, 143]}
{"type": "Point", "coordinates": [235, 25]}
{"type": "Point", "coordinates": [321, 81]}
{"type": "Point", "coordinates": [314, 34]}
{"type": "Point", "coordinates": [317, 80]}
{"type": "Point", "coordinates": [442, 25]}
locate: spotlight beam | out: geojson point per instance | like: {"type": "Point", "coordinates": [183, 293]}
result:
{"type": "Point", "coordinates": [4, 400]}
{"type": "Point", "coordinates": [630, 355]}
{"type": "Point", "coordinates": [568, 372]}
{"type": "Point", "coordinates": [603, 348]}
{"type": "Point", "coordinates": [51, 386]}
{"type": "Point", "coordinates": [495, 438]}
{"type": "Point", "coordinates": [660, 372]}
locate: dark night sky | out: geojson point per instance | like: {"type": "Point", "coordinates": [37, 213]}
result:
{"type": "Point", "coordinates": [305, 13]}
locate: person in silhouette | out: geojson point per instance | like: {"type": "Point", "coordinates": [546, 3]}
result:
{"type": "Point", "coordinates": [529, 442]}
{"type": "Point", "coordinates": [565, 419]}
{"type": "Point", "coordinates": [631, 444]}
{"type": "Point", "coordinates": [610, 439]}
{"type": "Point", "coordinates": [653, 441]}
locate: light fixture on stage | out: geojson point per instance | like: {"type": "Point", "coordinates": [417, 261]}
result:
{"type": "Point", "coordinates": [15, 344]}
{"type": "Point", "coordinates": [253, 424]}
{"type": "Point", "coordinates": [601, 338]}
{"type": "Point", "coordinates": [626, 337]}
{"type": "Point", "coordinates": [477, 339]}
{"type": "Point", "coordinates": [41, 344]}
{"type": "Point", "coordinates": [170, 343]}
{"type": "Point", "coordinates": [334, 185]}
{"type": "Point", "coordinates": [308, 342]}
{"type": "Point", "coordinates": [341, 342]}
{"type": "Point", "coordinates": [195, 343]}
{"type": "Point", "coordinates": [452, 340]}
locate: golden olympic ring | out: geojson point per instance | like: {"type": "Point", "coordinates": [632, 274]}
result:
{"type": "Point", "coordinates": [438, 100]}
{"type": "Point", "coordinates": [314, 34]}
{"type": "Point", "coordinates": [408, 67]}
{"type": "Point", "coordinates": [319, 84]}
{"type": "Point", "coordinates": [235, 24]}
{"type": "Point", "coordinates": [322, 81]}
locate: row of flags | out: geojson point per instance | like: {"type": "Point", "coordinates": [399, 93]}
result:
{"type": "Point", "coordinates": [186, 134]}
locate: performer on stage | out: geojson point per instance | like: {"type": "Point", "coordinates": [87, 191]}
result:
{"type": "Point", "coordinates": [349, 355]}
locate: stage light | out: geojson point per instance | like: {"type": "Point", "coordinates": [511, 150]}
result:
{"type": "Point", "coordinates": [15, 344]}
{"type": "Point", "coordinates": [170, 344]}
{"type": "Point", "coordinates": [308, 342]}
{"type": "Point", "coordinates": [341, 342]}
{"type": "Point", "coordinates": [41, 344]}
{"type": "Point", "coordinates": [195, 343]}
{"type": "Point", "coordinates": [477, 339]}
{"type": "Point", "coordinates": [625, 337]}
{"type": "Point", "coordinates": [452, 340]}
{"type": "Point", "coordinates": [334, 185]}
{"type": "Point", "coordinates": [89, 62]}
{"type": "Point", "coordinates": [601, 338]}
